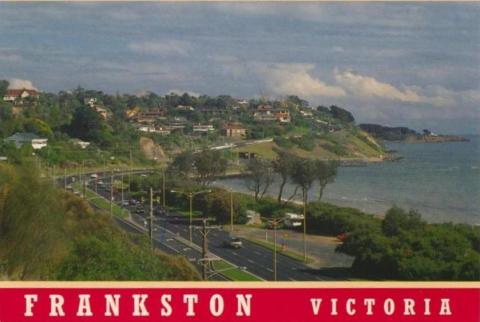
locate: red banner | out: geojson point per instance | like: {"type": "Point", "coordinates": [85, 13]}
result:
{"type": "Point", "coordinates": [260, 302]}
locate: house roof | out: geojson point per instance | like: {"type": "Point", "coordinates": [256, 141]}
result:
{"type": "Point", "coordinates": [23, 137]}
{"type": "Point", "coordinates": [18, 92]}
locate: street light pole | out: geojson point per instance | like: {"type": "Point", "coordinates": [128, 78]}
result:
{"type": "Point", "coordinates": [275, 250]}
{"type": "Point", "coordinates": [151, 218]}
{"type": "Point", "coordinates": [190, 196]}
{"type": "Point", "coordinates": [304, 227]}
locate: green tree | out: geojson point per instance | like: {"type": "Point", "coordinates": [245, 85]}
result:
{"type": "Point", "coordinates": [209, 164]}
{"type": "Point", "coordinates": [283, 166]}
{"type": "Point", "coordinates": [325, 173]}
{"type": "Point", "coordinates": [260, 177]}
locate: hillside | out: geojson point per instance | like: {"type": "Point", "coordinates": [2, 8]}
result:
{"type": "Point", "coordinates": [408, 135]}
{"type": "Point", "coordinates": [47, 234]}
{"type": "Point", "coordinates": [346, 145]}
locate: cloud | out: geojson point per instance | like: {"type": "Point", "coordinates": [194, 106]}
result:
{"type": "Point", "coordinates": [366, 86]}
{"type": "Point", "coordinates": [296, 79]}
{"type": "Point", "coordinates": [16, 83]}
{"type": "Point", "coordinates": [166, 47]}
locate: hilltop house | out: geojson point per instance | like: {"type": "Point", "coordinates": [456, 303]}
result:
{"type": "Point", "coordinates": [18, 95]}
{"type": "Point", "coordinates": [234, 130]}
{"type": "Point", "coordinates": [203, 129]}
{"type": "Point", "coordinates": [22, 138]}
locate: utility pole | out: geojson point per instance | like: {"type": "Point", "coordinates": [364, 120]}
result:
{"type": "Point", "coordinates": [205, 260]}
{"type": "Point", "coordinates": [151, 218]}
{"type": "Point", "coordinates": [84, 184]}
{"type": "Point", "coordinates": [231, 211]}
{"type": "Point", "coordinates": [111, 193]}
{"type": "Point", "coordinates": [65, 179]}
{"type": "Point", "coordinates": [122, 189]}
{"type": "Point", "coordinates": [163, 189]}
{"type": "Point", "coordinates": [204, 250]}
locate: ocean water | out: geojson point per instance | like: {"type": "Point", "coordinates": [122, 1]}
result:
{"type": "Point", "coordinates": [440, 180]}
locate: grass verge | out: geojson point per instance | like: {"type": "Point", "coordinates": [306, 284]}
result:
{"type": "Point", "coordinates": [233, 273]}
{"type": "Point", "coordinates": [100, 202]}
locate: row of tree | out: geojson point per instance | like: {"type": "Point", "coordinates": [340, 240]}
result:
{"type": "Point", "coordinates": [288, 167]}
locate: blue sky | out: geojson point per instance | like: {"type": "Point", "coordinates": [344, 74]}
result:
{"type": "Point", "coordinates": [414, 64]}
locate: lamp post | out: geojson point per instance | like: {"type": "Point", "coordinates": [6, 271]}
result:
{"type": "Point", "coordinates": [190, 196]}
{"type": "Point", "coordinates": [274, 223]}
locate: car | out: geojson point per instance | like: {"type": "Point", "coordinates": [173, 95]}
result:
{"type": "Point", "coordinates": [233, 242]}
{"type": "Point", "coordinates": [100, 183]}
{"type": "Point", "coordinates": [94, 176]}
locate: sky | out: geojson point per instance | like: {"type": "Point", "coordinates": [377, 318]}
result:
{"type": "Point", "coordinates": [397, 64]}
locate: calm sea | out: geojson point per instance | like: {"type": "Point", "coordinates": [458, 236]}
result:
{"type": "Point", "coordinates": [440, 180]}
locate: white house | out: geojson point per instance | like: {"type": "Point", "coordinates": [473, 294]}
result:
{"type": "Point", "coordinates": [28, 138]}
{"type": "Point", "coordinates": [292, 220]}
{"type": "Point", "coordinates": [19, 94]}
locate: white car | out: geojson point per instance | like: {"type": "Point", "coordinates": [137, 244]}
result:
{"type": "Point", "coordinates": [94, 176]}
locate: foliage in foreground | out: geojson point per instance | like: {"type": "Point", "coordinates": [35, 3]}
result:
{"type": "Point", "coordinates": [407, 248]}
{"type": "Point", "coordinates": [47, 234]}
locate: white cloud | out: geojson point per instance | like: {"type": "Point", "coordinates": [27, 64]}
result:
{"type": "Point", "coordinates": [296, 79]}
{"type": "Point", "coordinates": [166, 47]}
{"type": "Point", "coordinates": [16, 83]}
{"type": "Point", "coordinates": [366, 86]}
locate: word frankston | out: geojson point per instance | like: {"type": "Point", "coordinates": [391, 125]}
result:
{"type": "Point", "coordinates": [141, 305]}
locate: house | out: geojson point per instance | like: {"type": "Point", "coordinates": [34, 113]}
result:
{"type": "Point", "coordinates": [292, 220]}
{"type": "Point", "coordinates": [264, 116]}
{"type": "Point", "coordinates": [3, 159]}
{"type": "Point", "coordinates": [203, 128]}
{"type": "Point", "coordinates": [80, 143]}
{"type": "Point", "coordinates": [153, 129]}
{"type": "Point", "coordinates": [253, 217]}
{"type": "Point", "coordinates": [234, 130]}
{"type": "Point", "coordinates": [283, 116]}
{"type": "Point", "coordinates": [306, 114]}
{"type": "Point", "coordinates": [185, 108]}
{"type": "Point", "coordinates": [150, 116]}
{"type": "Point", "coordinates": [264, 107]}
{"type": "Point", "coordinates": [102, 111]}
{"type": "Point", "coordinates": [22, 138]}
{"type": "Point", "coordinates": [16, 95]}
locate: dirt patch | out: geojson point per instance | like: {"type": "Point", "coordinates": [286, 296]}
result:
{"type": "Point", "coordinates": [151, 150]}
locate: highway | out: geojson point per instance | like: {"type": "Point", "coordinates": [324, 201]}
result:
{"type": "Point", "coordinates": [170, 227]}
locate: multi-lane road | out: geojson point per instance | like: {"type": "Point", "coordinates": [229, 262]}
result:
{"type": "Point", "coordinates": [171, 234]}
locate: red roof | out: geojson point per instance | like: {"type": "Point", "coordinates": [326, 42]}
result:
{"type": "Point", "coordinates": [18, 92]}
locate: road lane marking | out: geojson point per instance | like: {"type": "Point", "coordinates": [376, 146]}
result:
{"type": "Point", "coordinates": [234, 253]}
{"type": "Point", "coordinates": [250, 261]}
{"type": "Point", "coordinates": [258, 253]}
{"type": "Point", "coordinates": [269, 269]}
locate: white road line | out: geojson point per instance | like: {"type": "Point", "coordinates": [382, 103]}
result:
{"type": "Point", "coordinates": [250, 261]}
{"type": "Point", "coordinates": [186, 248]}
{"type": "Point", "coordinates": [234, 253]}
{"type": "Point", "coordinates": [258, 253]}
{"type": "Point", "coordinates": [270, 270]}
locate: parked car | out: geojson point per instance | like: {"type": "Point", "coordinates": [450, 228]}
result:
{"type": "Point", "coordinates": [94, 176]}
{"type": "Point", "coordinates": [233, 242]}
